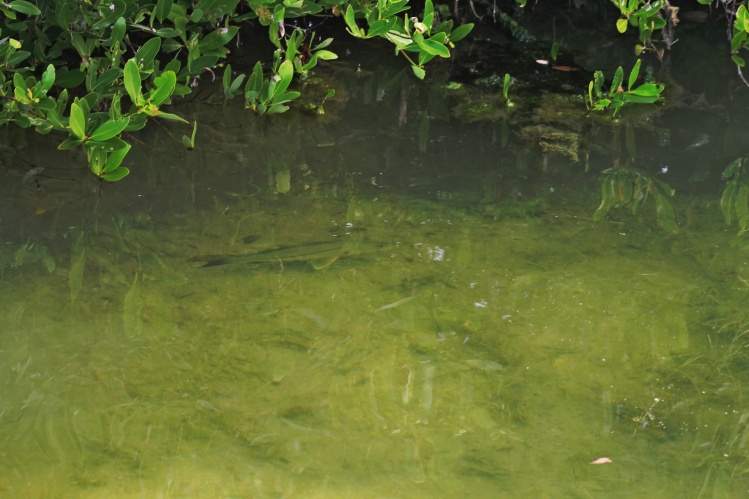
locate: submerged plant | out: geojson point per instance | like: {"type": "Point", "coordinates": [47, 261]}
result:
{"type": "Point", "coordinates": [628, 186]}
{"type": "Point", "coordinates": [735, 199]}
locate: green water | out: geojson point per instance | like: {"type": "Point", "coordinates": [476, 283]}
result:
{"type": "Point", "coordinates": [494, 344]}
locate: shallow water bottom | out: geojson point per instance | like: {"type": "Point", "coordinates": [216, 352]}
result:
{"type": "Point", "coordinates": [469, 357]}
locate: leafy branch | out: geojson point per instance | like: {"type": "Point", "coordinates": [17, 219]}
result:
{"type": "Point", "coordinates": [598, 99]}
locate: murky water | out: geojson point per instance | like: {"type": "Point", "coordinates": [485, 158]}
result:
{"type": "Point", "coordinates": [469, 330]}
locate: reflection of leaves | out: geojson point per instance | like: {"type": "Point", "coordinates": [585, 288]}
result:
{"type": "Point", "coordinates": [735, 199]}
{"type": "Point", "coordinates": [75, 277]}
{"type": "Point", "coordinates": [32, 252]}
{"type": "Point", "coordinates": [626, 186]}
{"type": "Point", "coordinates": [665, 213]}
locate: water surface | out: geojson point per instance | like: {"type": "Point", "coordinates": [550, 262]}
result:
{"type": "Point", "coordinates": [493, 340]}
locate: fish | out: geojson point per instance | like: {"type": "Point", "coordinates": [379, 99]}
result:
{"type": "Point", "coordinates": [320, 254]}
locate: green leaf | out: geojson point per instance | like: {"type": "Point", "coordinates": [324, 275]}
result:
{"type": "Point", "coordinates": [16, 58]}
{"type": "Point", "coordinates": [99, 149]}
{"type": "Point", "coordinates": [381, 26]}
{"type": "Point", "coordinates": [429, 46]}
{"type": "Point", "coordinates": [69, 143]}
{"type": "Point", "coordinates": [117, 174]}
{"type": "Point", "coordinates": [506, 85]}
{"type": "Point", "coordinates": [738, 60]}
{"type": "Point", "coordinates": [648, 90]}
{"type": "Point", "coordinates": [45, 104]}
{"type": "Point", "coordinates": [638, 99]}
{"type": "Point", "coordinates": [738, 40]}
{"type": "Point", "coordinates": [65, 14]}
{"type": "Point", "coordinates": [326, 55]}
{"type": "Point", "coordinates": [165, 84]}
{"type": "Point", "coordinates": [292, 44]}
{"type": "Point", "coordinates": [189, 142]}
{"type": "Point", "coordinates": [217, 38]}
{"type": "Point", "coordinates": [621, 25]}
{"type": "Point", "coordinates": [77, 121]}
{"type": "Point", "coordinates": [169, 33]}
{"type": "Point", "coordinates": [110, 11]}
{"type": "Point", "coordinates": [118, 32]}
{"type": "Point", "coordinates": [206, 61]}
{"type": "Point", "coordinates": [633, 74]}
{"type": "Point", "coordinates": [109, 129]}
{"type": "Point", "coordinates": [424, 58]}
{"type": "Point", "coordinates": [114, 159]}
{"type": "Point", "coordinates": [226, 80]}
{"type": "Point", "coordinates": [400, 40]}
{"type": "Point", "coordinates": [107, 79]}
{"type": "Point", "coordinates": [169, 116]}
{"type": "Point", "coordinates": [657, 23]}
{"type": "Point", "coordinates": [394, 7]}
{"type": "Point", "coordinates": [133, 82]}
{"type": "Point", "coordinates": [350, 18]}
{"type": "Point", "coordinates": [276, 109]}
{"type": "Point", "coordinates": [161, 11]}
{"type": "Point", "coordinates": [146, 54]}
{"type": "Point", "coordinates": [19, 83]}
{"type": "Point", "coordinates": [48, 78]}
{"type": "Point", "coordinates": [616, 83]}
{"type": "Point", "coordinates": [419, 72]}
{"type": "Point", "coordinates": [255, 82]}
{"type": "Point", "coordinates": [286, 73]}
{"type": "Point", "coordinates": [70, 78]}
{"type": "Point", "coordinates": [24, 7]}
{"type": "Point", "coordinates": [54, 119]}
{"type": "Point", "coordinates": [237, 83]}
{"type": "Point", "coordinates": [137, 122]}
{"type": "Point", "coordinates": [428, 14]}
{"type": "Point", "coordinates": [323, 44]}
{"type": "Point", "coordinates": [460, 32]}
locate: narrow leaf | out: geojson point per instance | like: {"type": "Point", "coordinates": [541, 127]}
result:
{"type": "Point", "coordinates": [110, 129]}
{"type": "Point", "coordinates": [460, 32]}
{"type": "Point", "coordinates": [24, 7]}
{"type": "Point", "coordinates": [634, 74]}
{"type": "Point", "coordinates": [133, 82]}
{"type": "Point", "coordinates": [77, 121]}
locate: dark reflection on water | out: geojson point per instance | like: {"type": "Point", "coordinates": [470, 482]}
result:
{"type": "Point", "coordinates": [491, 341]}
